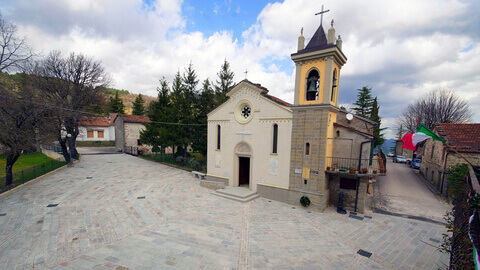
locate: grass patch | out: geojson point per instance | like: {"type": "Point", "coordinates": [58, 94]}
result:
{"type": "Point", "coordinates": [169, 159]}
{"type": "Point", "coordinates": [28, 167]}
{"type": "Point", "coordinates": [96, 144]}
{"type": "Point", "coordinates": [25, 161]}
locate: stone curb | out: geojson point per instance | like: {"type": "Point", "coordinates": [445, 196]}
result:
{"type": "Point", "coordinates": [385, 212]}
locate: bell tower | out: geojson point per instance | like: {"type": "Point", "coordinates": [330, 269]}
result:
{"type": "Point", "coordinates": [315, 110]}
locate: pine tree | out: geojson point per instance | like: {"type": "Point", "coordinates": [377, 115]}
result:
{"type": "Point", "coordinates": [138, 107]}
{"type": "Point", "coordinates": [364, 102]}
{"type": "Point", "coordinates": [206, 103]}
{"type": "Point", "coordinates": [158, 133]}
{"type": "Point", "coordinates": [377, 132]}
{"type": "Point", "coordinates": [225, 82]}
{"type": "Point", "coordinates": [116, 104]}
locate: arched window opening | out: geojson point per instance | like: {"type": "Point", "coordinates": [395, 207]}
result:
{"type": "Point", "coordinates": [307, 149]}
{"type": "Point", "coordinates": [313, 84]}
{"type": "Point", "coordinates": [218, 136]}
{"type": "Point", "coordinates": [275, 138]}
{"type": "Point", "coordinates": [334, 84]}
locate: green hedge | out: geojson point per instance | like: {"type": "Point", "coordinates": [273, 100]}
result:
{"type": "Point", "coordinates": [95, 143]}
{"type": "Point", "coordinates": [188, 164]}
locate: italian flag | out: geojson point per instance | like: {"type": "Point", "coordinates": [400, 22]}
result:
{"type": "Point", "coordinates": [411, 140]}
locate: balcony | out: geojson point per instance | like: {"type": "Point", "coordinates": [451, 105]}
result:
{"type": "Point", "coordinates": [367, 167]}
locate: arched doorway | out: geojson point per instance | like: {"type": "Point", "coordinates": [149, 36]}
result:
{"type": "Point", "coordinates": [243, 156]}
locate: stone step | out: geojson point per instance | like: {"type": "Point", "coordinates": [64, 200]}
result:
{"type": "Point", "coordinates": [235, 198]}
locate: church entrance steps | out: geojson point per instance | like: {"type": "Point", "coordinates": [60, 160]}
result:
{"type": "Point", "coordinates": [239, 194]}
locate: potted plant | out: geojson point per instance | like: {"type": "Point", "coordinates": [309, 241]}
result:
{"type": "Point", "coordinates": [352, 170]}
{"type": "Point", "coordinates": [328, 168]}
{"type": "Point", "coordinates": [363, 170]}
{"type": "Point", "coordinates": [374, 171]}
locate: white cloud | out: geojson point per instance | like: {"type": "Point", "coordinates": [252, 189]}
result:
{"type": "Point", "coordinates": [401, 49]}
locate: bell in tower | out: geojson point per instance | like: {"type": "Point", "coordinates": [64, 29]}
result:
{"type": "Point", "coordinates": [312, 85]}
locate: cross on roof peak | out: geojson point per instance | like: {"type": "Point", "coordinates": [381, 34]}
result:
{"type": "Point", "coordinates": [321, 14]}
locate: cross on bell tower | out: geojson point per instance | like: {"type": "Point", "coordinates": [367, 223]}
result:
{"type": "Point", "coordinates": [321, 14]}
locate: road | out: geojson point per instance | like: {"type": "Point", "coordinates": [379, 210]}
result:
{"type": "Point", "coordinates": [402, 192]}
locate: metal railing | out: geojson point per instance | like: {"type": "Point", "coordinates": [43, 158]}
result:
{"type": "Point", "coordinates": [26, 175]}
{"type": "Point", "coordinates": [52, 147]}
{"type": "Point", "coordinates": [131, 150]}
{"type": "Point", "coordinates": [370, 166]}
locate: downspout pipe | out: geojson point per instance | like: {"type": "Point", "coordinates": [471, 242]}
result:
{"type": "Point", "coordinates": [359, 165]}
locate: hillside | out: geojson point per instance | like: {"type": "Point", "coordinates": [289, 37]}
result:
{"type": "Point", "coordinates": [128, 98]}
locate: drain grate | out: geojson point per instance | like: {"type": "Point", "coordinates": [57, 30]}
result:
{"type": "Point", "coordinates": [52, 205]}
{"type": "Point", "coordinates": [364, 253]}
{"type": "Point", "coordinates": [89, 177]}
{"type": "Point", "coordinates": [369, 217]}
{"type": "Point", "coordinates": [3, 214]}
{"type": "Point", "coordinates": [141, 198]}
{"type": "Point", "coordinates": [293, 207]}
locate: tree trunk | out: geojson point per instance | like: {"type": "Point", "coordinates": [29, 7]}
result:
{"type": "Point", "coordinates": [72, 141]}
{"type": "Point", "coordinates": [72, 129]}
{"type": "Point", "coordinates": [11, 159]}
{"type": "Point", "coordinates": [65, 153]}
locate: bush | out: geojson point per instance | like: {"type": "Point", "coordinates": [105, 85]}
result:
{"type": "Point", "coordinates": [194, 164]}
{"type": "Point", "coordinates": [305, 201]}
{"type": "Point", "coordinates": [181, 160]}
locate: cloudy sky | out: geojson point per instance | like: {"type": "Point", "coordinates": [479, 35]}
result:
{"type": "Point", "coordinates": [402, 49]}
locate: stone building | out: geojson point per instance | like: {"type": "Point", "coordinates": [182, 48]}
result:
{"type": "Point", "coordinates": [437, 157]}
{"type": "Point", "coordinates": [281, 151]}
{"type": "Point", "coordinates": [127, 132]}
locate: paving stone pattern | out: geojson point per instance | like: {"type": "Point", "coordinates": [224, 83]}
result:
{"type": "Point", "coordinates": [100, 223]}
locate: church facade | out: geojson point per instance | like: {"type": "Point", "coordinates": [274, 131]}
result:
{"type": "Point", "coordinates": [285, 151]}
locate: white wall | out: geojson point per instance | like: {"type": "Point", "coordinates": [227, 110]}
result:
{"type": "Point", "coordinates": [257, 134]}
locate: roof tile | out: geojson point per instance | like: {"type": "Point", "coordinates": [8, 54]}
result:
{"type": "Point", "coordinates": [464, 137]}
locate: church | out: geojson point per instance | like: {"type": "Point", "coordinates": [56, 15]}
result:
{"type": "Point", "coordinates": [281, 151]}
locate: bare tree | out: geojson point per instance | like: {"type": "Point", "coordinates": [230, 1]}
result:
{"type": "Point", "coordinates": [71, 85]}
{"type": "Point", "coordinates": [22, 116]}
{"type": "Point", "coordinates": [438, 106]}
{"type": "Point", "coordinates": [14, 50]}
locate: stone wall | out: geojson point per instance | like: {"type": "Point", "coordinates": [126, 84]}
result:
{"type": "Point", "coordinates": [273, 193]}
{"type": "Point", "coordinates": [364, 198]}
{"type": "Point", "coordinates": [309, 126]}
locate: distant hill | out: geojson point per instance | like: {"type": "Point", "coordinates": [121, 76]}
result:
{"type": "Point", "coordinates": [387, 145]}
{"type": "Point", "coordinates": [128, 98]}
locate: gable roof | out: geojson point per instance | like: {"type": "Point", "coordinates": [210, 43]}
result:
{"type": "Point", "coordinates": [463, 137]}
{"type": "Point", "coordinates": [95, 122]}
{"type": "Point", "coordinates": [134, 118]}
{"type": "Point", "coordinates": [264, 92]}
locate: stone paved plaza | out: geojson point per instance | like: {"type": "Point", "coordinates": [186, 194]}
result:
{"type": "Point", "coordinates": [102, 221]}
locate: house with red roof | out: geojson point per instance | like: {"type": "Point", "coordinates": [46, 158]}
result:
{"type": "Point", "coordinates": [127, 132]}
{"type": "Point", "coordinates": [97, 128]}
{"type": "Point", "coordinates": [437, 157]}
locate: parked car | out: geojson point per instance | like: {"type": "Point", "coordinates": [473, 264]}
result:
{"type": "Point", "coordinates": [400, 159]}
{"type": "Point", "coordinates": [416, 163]}
{"type": "Point", "coordinates": [391, 154]}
